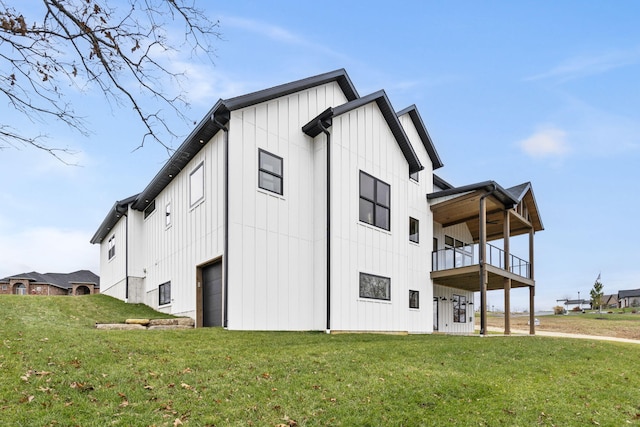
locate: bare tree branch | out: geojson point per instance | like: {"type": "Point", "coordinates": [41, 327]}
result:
{"type": "Point", "coordinates": [78, 45]}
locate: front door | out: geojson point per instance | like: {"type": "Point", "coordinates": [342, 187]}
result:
{"type": "Point", "coordinates": [212, 295]}
{"type": "Point", "coordinates": [435, 313]}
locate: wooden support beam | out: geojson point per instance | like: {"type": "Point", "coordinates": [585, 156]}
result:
{"type": "Point", "coordinates": [532, 289]}
{"type": "Point", "coordinates": [483, 270]}
{"type": "Point", "coordinates": [507, 281]}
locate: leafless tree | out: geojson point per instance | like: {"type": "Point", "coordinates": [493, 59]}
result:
{"type": "Point", "coordinates": [119, 48]}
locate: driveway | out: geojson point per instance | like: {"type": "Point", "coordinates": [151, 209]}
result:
{"type": "Point", "coordinates": [564, 335]}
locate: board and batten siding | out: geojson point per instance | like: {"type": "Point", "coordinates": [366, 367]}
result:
{"type": "Point", "coordinates": [275, 263]}
{"type": "Point", "coordinates": [362, 141]}
{"type": "Point", "coordinates": [445, 311]}
{"type": "Point", "coordinates": [195, 235]}
{"type": "Point", "coordinates": [113, 271]}
{"type": "Point", "coordinates": [419, 261]}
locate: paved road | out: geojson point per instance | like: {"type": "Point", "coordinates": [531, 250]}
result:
{"type": "Point", "coordinates": [565, 335]}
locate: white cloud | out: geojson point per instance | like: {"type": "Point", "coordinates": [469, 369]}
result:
{"type": "Point", "coordinates": [581, 66]}
{"type": "Point", "coordinates": [546, 142]}
{"type": "Point", "coordinates": [47, 250]}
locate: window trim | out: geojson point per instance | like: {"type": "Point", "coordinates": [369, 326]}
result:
{"type": "Point", "coordinates": [388, 287]}
{"type": "Point", "coordinates": [417, 233]}
{"type": "Point", "coordinates": [376, 203]}
{"type": "Point", "coordinates": [112, 247]}
{"type": "Point", "coordinates": [194, 203]}
{"type": "Point", "coordinates": [262, 171]}
{"type": "Point", "coordinates": [417, 296]}
{"type": "Point", "coordinates": [163, 288]}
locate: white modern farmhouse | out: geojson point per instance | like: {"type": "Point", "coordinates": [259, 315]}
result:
{"type": "Point", "coordinates": [309, 207]}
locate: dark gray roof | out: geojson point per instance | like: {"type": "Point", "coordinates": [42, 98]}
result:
{"type": "Point", "coordinates": [60, 280]}
{"type": "Point", "coordinates": [380, 98]}
{"type": "Point", "coordinates": [500, 193]}
{"type": "Point", "coordinates": [424, 135]}
{"type": "Point", "coordinates": [629, 293]}
{"type": "Point", "coordinates": [211, 123]}
{"type": "Point", "coordinates": [441, 183]}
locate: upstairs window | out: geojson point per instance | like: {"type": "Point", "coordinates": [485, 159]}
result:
{"type": "Point", "coordinates": [112, 246]}
{"type": "Point", "coordinates": [164, 291]}
{"type": "Point", "coordinates": [196, 185]}
{"type": "Point", "coordinates": [149, 209]}
{"type": "Point", "coordinates": [269, 172]}
{"type": "Point", "coordinates": [415, 176]}
{"type": "Point", "coordinates": [167, 215]}
{"type": "Point", "coordinates": [375, 201]}
{"type": "Point", "coordinates": [414, 230]}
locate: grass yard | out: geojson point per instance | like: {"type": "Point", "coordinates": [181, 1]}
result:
{"type": "Point", "coordinates": [616, 324]}
{"type": "Point", "coordinates": [57, 370]}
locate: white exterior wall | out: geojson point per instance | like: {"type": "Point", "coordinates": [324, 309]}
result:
{"type": "Point", "coordinates": [362, 141]}
{"type": "Point", "coordinates": [112, 271]}
{"type": "Point", "coordinates": [419, 265]}
{"type": "Point", "coordinates": [195, 235]}
{"type": "Point", "coordinates": [445, 311]}
{"type": "Point", "coordinates": [276, 272]}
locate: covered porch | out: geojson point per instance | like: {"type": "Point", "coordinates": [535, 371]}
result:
{"type": "Point", "coordinates": [490, 213]}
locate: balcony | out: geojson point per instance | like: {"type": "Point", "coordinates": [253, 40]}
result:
{"type": "Point", "coordinates": [460, 268]}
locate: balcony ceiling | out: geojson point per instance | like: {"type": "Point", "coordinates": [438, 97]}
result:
{"type": "Point", "coordinates": [465, 208]}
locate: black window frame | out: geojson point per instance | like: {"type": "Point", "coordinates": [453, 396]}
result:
{"type": "Point", "coordinates": [372, 295]}
{"type": "Point", "coordinates": [112, 247]}
{"type": "Point", "coordinates": [414, 299]}
{"type": "Point", "coordinates": [265, 172]}
{"type": "Point", "coordinates": [415, 176]}
{"type": "Point", "coordinates": [377, 203]}
{"type": "Point", "coordinates": [417, 231]}
{"type": "Point", "coordinates": [164, 293]}
{"type": "Point", "coordinates": [459, 308]}
{"type": "Point", "coordinates": [151, 208]}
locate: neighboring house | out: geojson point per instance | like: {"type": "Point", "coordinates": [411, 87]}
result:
{"type": "Point", "coordinates": [610, 301]}
{"type": "Point", "coordinates": [82, 282]}
{"type": "Point", "coordinates": [309, 207]}
{"type": "Point", "coordinates": [629, 298]}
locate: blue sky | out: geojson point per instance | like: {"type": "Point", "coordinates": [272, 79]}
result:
{"type": "Point", "coordinates": [547, 92]}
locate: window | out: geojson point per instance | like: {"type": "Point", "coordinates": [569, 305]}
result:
{"type": "Point", "coordinates": [112, 246]}
{"type": "Point", "coordinates": [196, 185]}
{"type": "Point", "coordinates": [164, 292]}
{"type": "Point", "coordinates": [375, 201]}
{"type": "Point", "coordinates": [21, 289]}
{"type": "Point", "coordinates": [458, 253]}
{"type": "Point", "coordinates": [459, 309]}
{"type": "Point", "coordinates": [414, 230]}
{"type": "Point", "coordinates": [167, 214]}
{"type": "Point", "coordinates": [149, 209]}
{"type": "Point", "coordinates": [269, 172]}
{"type": "Point", "coordinates": [375, 287]}
{"type": "Point", "coordinates": [414, 299]}
{"type": "Point", "coordinates": [415, 176]}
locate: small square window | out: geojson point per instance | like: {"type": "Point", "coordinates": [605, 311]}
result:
{"type": "Point", "coordinates": [164, 291]}
{"type": "Point", "coordinates": [375, 287]}
{"type": "Point", "coordinates": [415, 176]}
{"type": "Point", "coordinates": [269, 172]}
{"type": "Point", "coordinates": [414, 299]}
{"type": "Point", "coordinates": [149, 209]}
{"type": "Point", "coordinates": [414, 230]}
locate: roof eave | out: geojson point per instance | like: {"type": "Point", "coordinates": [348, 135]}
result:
{"type": "Point", "coordinates": [414, 114]}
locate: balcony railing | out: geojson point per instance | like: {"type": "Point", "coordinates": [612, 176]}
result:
{"type": "Point", "coordinates": [464, 256]}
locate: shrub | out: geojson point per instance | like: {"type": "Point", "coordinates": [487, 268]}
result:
{"type": "Point", "coordinates": [558, 309]}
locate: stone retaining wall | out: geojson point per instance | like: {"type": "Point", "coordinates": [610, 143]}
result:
{"type": "Point", "coordinates": [138, 324]}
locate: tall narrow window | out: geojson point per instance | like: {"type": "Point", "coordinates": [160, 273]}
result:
{"type": "Point", "coordinates": [167, 214]}
{"type": "Point", "coordinates": [269, 172]}
{"type": "Point", "coordinates": [164, 292]}
{"type": "Point", "coordinates": [112, 246]}
{"type": "Point", "coordinates": [414, 299]}
{"type": "Point", "coordinates": [375, 201]}
{"type": "Point", "coordinates": [414, 230]}
{"type": "Point", "coordinates": [375, 287]}
{"type": "Point", "coordinates": [196, 185]}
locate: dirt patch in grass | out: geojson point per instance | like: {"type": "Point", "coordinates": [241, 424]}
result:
{"type": "Point", "coordinates": [610, 325]}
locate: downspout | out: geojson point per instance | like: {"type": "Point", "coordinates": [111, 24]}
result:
{"type": "Point", "coordinates": [225, 256]}
{"type": "Point", "coordinates": [483, 249]}
{"type": "Point", "coordinates": [126, 248]}
{"type": "Point", "coordinates": [326, 132]}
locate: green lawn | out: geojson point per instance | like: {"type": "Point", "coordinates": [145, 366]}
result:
{"type": "Point", "coordinates": [57, 370]}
